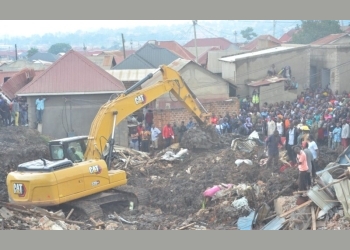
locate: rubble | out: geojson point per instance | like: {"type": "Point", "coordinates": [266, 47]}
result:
{"type": "Point", "coordinates": [244, 189]}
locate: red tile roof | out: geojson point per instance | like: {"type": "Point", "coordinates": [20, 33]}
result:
{"type": "Point", "coordinates": [73, 73]}
{"type": "Point", "coordinates": [17, 81]}
{"type": "Point", "coordinates": [220, 42]}
{"type": "Point", "coordinates": [174, 47]}
{"type": "Point", "coordinates": [329, 39]}
{"type": "Point", "coordinates": [287, 37]}
{"type": "Point", "coordinates": [253, 44]}
{"type": "Point", "coordinates": [203, 58]}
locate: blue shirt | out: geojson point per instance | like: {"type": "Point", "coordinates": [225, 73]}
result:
{"type": "Point", "coordinates": [337, 134]}
{"type": "Point", "coordinates": [40, 104]}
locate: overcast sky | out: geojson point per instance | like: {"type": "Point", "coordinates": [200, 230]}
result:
{"type": "Point", "coordinates": [30, 27]}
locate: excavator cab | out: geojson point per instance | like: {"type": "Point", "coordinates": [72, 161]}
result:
{"type": "Point", "coordinates": [71, 148]}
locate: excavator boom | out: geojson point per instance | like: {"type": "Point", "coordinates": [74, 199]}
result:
{"type": "Point", "coordinates": [114, 111]}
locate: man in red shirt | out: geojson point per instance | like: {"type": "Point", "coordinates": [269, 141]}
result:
{"type": "Point", "coordinates": [168, 134]}
{"type": "Point", "coordinates": [303, 168]}
{"type": "Point", "coordinates": [213, 119]}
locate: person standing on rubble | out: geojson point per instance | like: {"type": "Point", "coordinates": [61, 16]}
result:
{"type": "Point", "coordinates": [168, 134]}
{"type": "Point", "coordinates": [272, 143]}
{"type": "Point", "coordinates": [134, 136]}
{"type": "Point", "coordinates": [309, 158]}
{"type": "Point", "coordinates": [345, 134]}
{"type": "Point", "coordinates": [291, 140]}
{"type": "Point", "coordinates": [271, 126]}
{"type": "Point", "coordinates": [336, 134]}
{"type": "Point", "coordinates": [303, 168]}
{"type": "Point", "coordinates": [155, 132]}
{"type": "Point", "coordinates": [182, 130]}
{"type": "Point", "coordinates": [145, 137]}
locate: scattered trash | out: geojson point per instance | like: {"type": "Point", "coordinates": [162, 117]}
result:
{"type": "Point", "coordinates": [240, 161]}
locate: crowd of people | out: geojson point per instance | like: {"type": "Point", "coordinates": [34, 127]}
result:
{"type": "Point", "coordinates": [14, 112]}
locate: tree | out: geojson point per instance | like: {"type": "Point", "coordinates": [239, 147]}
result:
{"type": "Point", "coordinates": [59, 48]}
{"type": "Point", "coordinates": [32, 51]}
{"type": "Point", "coordinates": [248, 33]}
{"type": "Point", "coordinates": [312, 30]}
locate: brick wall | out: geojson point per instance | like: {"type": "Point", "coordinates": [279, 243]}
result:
{"type": "Point", "coordinates": [162, 117]}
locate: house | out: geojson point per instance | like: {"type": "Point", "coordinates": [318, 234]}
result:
{"type": "Point", "coordinates": [262, 42]}
{"type": "Point", "coordinates": [75, 89]}
{"type": "Point", "coordinates": [103, 61]}
{"type": "Point", "coordinates": [345, 29]}
{"type": "Point", "coordinates": [201, 46]}
{"type": "Point", "coordinates": [44, 56]}
{"type": "Point", "coordinates": [17, 81]}
{"type": "Point", "coordinates": [340, 38]}
{"type": "Point", "coordinates": [272, 88]}
{"type": "Point", "coordinates": [330, 65]}
{"type": "Point", "coordinates": [10, 69]}
{"type": "Point", "coordinates": [175, 48]}
{"type": "Point", "coordinates": [218, 42]}
{"type": "Point", "coordinates": [149, 56]}
{"type": "Point", "coordinates": [213, 92]}
{"type": "Point", "coordinates": [213, 63]}
{"type": "Point", "coordinates": [288, 36]}
{"type": "Point", "coordinates": [244, 68]}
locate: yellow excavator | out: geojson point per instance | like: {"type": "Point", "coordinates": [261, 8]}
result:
{"type": "Point", "coordinates": [88, 184]}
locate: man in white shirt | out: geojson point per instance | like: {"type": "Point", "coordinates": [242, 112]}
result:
{"type": "Point", "coordinates": [155, 132]}
{"type": "Point", "coordinates": [271, 126]}
{"type": "Point", "coordinates": [345, 134]}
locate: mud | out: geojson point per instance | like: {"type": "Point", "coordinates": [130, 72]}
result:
{"type": "Point", "coordinates": [176, 187]}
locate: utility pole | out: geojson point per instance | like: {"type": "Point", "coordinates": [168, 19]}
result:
{"type": "Point", "coordinates": [16, 51]}
{"type": "Point", "coordinates": [123, 41]}
{"type": "Point", "coordinates": [235, 34]}
{"type": "Point", "coordinates": [131, 44]}
{"type": "Point", "coordinates": [195, 38]}
{"type": "Point", "coordinates": [274, 27]}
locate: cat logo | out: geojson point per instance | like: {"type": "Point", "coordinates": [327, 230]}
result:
{"type": "Point", "coordinates": [20, 189]}
{"type": "Point", "coordinates": [95, 169]}
{"type": "Point", "coordinates": [140, 99]}
{"type": "Point", "coordinates": [95, 183]}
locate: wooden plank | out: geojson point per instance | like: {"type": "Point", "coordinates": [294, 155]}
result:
{"type": "Point", "coordinates": [313, 217]}
{"type": "Point", "coordinates": [187, 226]}
{"type": "Point", "coordinates": [305, 204]}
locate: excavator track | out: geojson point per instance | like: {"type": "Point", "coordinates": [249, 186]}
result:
{"type": "Point", "coordinates": [90, 206]}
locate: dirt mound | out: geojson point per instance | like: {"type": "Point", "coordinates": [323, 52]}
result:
{"type": "Point", "coordinates": [18, 145]}
{"type": "Point", "coordinates": [200, 138]}
{"type": "Point", "coordinates": [177, 187]}
{"type": "Point", "coordinates": [326, 156]}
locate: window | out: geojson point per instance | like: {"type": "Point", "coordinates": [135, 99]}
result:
{"type": "Point", "coordinates": [57, 152]}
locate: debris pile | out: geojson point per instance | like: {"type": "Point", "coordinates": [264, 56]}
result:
{"type": "Point", "coordinates": [201, 138]}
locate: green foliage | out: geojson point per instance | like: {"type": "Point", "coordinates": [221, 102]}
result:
{"type": "Point", "coordinates": [32, 51]}
{"type": "Point", "coordinates": [312, 30]}
{"type": "Point", "coordinates": [59, 48]}
{"type": "Point", "coordinates": [248, 33]}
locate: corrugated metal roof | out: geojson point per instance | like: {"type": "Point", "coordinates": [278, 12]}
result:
{"type": "Point", "coordinates": [73, 73]}
{"type": "Point", "coordinates": [253, 44]}
{"type": "Point", "coordinates": [148, 57]}
{"type": "Point", "coordinates": [258, 53]}
{"type": "Point", "coordinates": [129, 75]}
{"type": "Point", "coordinates": [287, 37]}
{"type": "Point", "coordinates": [219, 42]}
{"type": "Point", "coordinates": [22, 64]}
{"type": "Point", "coordinates": [17, 81]}
{"type": "Point", "coordinates": [174, 47]}
{"type": "Point", "coordinates": [48, 57]}
{"type": "Point", "coordinates": [104, 61]}
{"type": "Point", "coordinates": [332, 38]}
{"type": "Point", "coordinates": [275, 224]}
{"type": "Point", "coordinates": [134, 62]}
{"type": "Point", "coordinates": [155, 55]}
{"type": "Point", "coordinates": [266, 81]}
{"type": "Point", "coordinates": [321, 198]}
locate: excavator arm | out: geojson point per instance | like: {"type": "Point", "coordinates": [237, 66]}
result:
{"type": "Point", "coordinates": [114, 111]}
